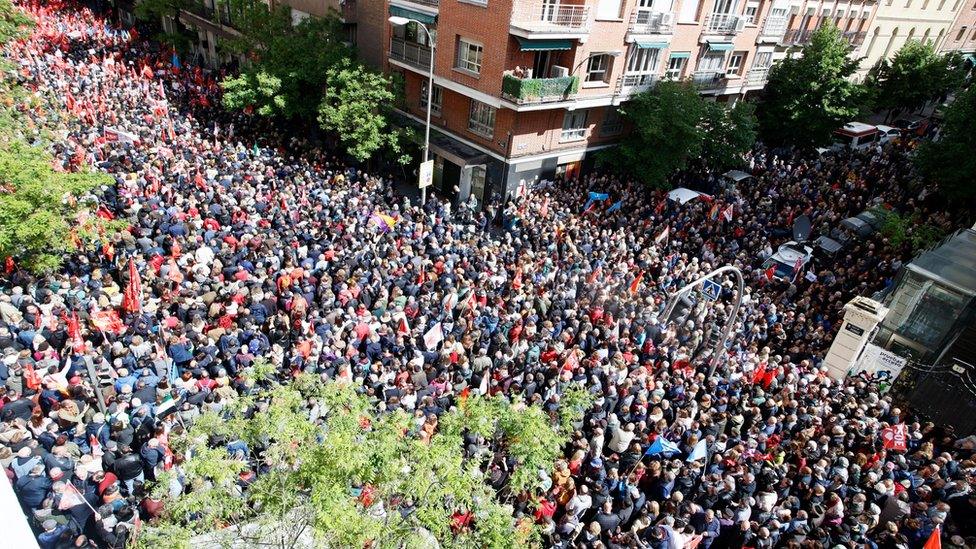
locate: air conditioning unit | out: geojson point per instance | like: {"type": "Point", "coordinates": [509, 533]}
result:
{"type": "Point", "coordinates": [559, 72]}
{"type": "Point", "coordinates": [740, 24]}
{"type": "Point", "coordinates": [667, 19]}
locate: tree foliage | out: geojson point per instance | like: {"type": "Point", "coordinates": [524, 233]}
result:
{"type": "Point", "coordinates": [810, 95]}
{"type": "Point", "coordinates": [915, 75]}
{"type": "Point", "coordinates": [673, 124]}
{"type": "Point", "coordinates": [728, 134]}
{"type": "Point", "coordinates": [288, 68]}
{"type": "Point", "coordinates": [337, 474]}
{"type": "Point", "coordinates": [38, 206]}
{"type": "Point", "coordinates": [354, 107]}
{"type": "Point", "coordinates": [899, 229]}
{"type": "Point", "coordinates": [950, 161]}
{"type": "Point", "coordinates": [13, 22]}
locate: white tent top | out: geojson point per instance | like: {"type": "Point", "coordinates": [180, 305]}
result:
{"type": "Point", "coordinates": [683, 195]}
{"type": "Point", "coordinates": [16, 532]}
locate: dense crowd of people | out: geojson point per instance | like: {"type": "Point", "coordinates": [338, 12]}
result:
{"type": "Point", "coordinates": [283, 252]}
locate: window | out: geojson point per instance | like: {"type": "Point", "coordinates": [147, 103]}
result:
{"type": "Point", "coordinates": [598, 68]}
{"type": "Point", "coordinates": [481, 120]}
{"type": "Point", "coordinates": [574, 125]}
{"type": "Point", "coordinates": [735, 63]}
{"type": "Point", "coordinates": [676, 67]}
{"type": "Point", "coordinates": [608, 9]}
{"type": "Point", "coordinates": [436, 97]}
{"type": "Point", "coordinates": [613, 123]}
{"type": "Point", "coordinates": [962, 33]}
{"type": "Point", "coordinates": [711, 62]}
{"type": "Point", "coordinates": [689, 11]}
{"type": "Point", "coordinates": [764, 59]}
{"type": "Point", "coordinates": [751, 14]}
{"type": "Point", "coordinates": [469, 55]}
{"type": "Point", "coordinates": [642, 60]}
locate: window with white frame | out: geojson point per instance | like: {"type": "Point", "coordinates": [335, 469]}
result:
{"type": "Point", "coordinates": [735, 63]}
{"type": "Point", "coordinates": [711, 62]}
{"type": "Point", "coordinates": [436, 97]}
{"type": "Point", "coordinates": [750, 14]}
{"type": "Point", "coordinates": [676, 67]}
{"type": "Point", "coordinates": [598, 67]}
{"type": "Point", "coordinates": [574, 125]}
{"type": "Point", "coordinates": [481, 119]}
{"type": "Point", "coordinates": [764, 60]}
{"type": "Point", "coordinates": [469, 55]}
{"type": "Point", "coordinates": [642, 60]}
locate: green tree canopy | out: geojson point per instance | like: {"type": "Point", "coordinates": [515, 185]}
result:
{"type": "Point", "coordinates": [288, 65]}
{"type": "Point", "coordinates": [915, 75]}
{"type": "Point", "coordinates": [13, 22]}
{"type": "Point", "coordinates": [810, 95]}
{"type": "Point", "coordinates": [728, 134]}
{"type": "Point", "coordinates": [950, 161]}
{"type": "Point", "coordinates": [673, 124]}
{"type": "Point", "coordinates": [349, 477]}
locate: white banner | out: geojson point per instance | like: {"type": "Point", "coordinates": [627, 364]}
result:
{"type": "Point", "coordinates": [878, 366]}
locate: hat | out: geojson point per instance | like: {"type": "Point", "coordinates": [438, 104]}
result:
{"type": "Point", "coordinates": [49, 524]}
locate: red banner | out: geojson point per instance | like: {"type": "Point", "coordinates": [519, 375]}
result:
{"type": "Point", "coordinates": [895, 437]}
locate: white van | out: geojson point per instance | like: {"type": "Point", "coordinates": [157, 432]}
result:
{"type": "Point", "coordinates": [856, 135]}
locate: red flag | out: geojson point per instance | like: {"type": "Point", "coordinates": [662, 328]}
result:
{"type": "Point", "coordinates": [403, 328]}
{"type": "Point", "coordinates": [636, 283]}
{"type": "Point", "coordinates": [108, 321]}
{"type": "Point", "coordinates": [770, 272]}
{"type": "Point", "coordinates": [74, 334]}
{"type": "Point", "coordinates": [104, 213]}
{"type": "Point", "coordinates": [727, 213]}
{"type": "Point", "coordinates": [594, 275]}
{"type": "Point", "coordinates": [660, 206]}
{"type": "Point", "coordinates": [69, 101]}
{"type": "Point", "coordinates": [759, 372]}
{"type": "Point", "coordinates": [517, 281]}
{"type": "Point", "coordinates": [544, 210]}
{"type": "Point", "coordinates": [421, 277]}
{"type": "Point", "coordinates": [895, 437]}
{"type": "Point", "coordinates": [132, 300]}
{"type": "Point", "coordinates": [9, 265]}
{"type": "Point", "coordinates": [935, 540]}
{"type": "Point", "coordinates": [663, 237]}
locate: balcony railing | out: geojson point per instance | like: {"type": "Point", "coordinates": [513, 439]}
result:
{"type": "Point", "coordinates": [428, 3]}
{"type": "Point", "coordinates": [638, 82]}
{"type": "Point", "coordinates": [709, 80]}
{"type": "Point", "coordinates": [724, 23]}
{"type": "Point", "coordinates": [411, 53]}
{"type": "Point", "coordinates": [647, 21]}
{"type": "Point", "coordinates": [538, 90]}
{"type": "Point", "coordinates": [551, 18]}
{"type": "Point", "coordinates": [797, 37]}
{"type": "Point", "coordinates": [775, 25]}
{"type": "Point", "coordinates": [757, 76]}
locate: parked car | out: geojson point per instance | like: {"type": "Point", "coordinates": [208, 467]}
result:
{"type": "Point", "coordinates": [888, 133]}
{"type": "Point", "coordinates": [912, 127]}
{"type": "Point", "coordinates": [790, 259]}
{"type": "Point", "coordinates": [825, 247]}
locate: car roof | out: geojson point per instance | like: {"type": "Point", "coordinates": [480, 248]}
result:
{"type": "Point", "coordinates": [887, 129]}
{"type": "Point", "coordinates": [857, 128]}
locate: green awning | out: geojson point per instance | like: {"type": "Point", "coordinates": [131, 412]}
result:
{"type": "Point", "coordinates": [652, 45]}
{"type": "Point", "coordinates": [680, 54]}
{"type": "Point", "coordinates": [720, 46]}
{"type": "Point", "coordinates": [546, 44]}
{"type": "Point", "coordinates": [424, 18]}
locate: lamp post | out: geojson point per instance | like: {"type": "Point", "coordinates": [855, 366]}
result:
{"type": "Point", "coordinates": [398, 21]}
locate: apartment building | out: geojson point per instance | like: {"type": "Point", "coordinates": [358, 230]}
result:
{"type": "Point", "coordinates": [962, 35]}
{"type": "Point", "coordinates": [898, 21]}
{"type": "Point", "coordinates": [525, 89]}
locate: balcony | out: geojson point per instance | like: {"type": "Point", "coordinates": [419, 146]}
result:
{"type": "Point", "coordinates": [774, 27]}
{"type": "Point", "coordinates": [533, 20]}
{"type": "Point", "coordinates": [636, 83]}
{"type": "Point", "coordinates": [855, 38]}
{"type": "Point", "coordinates": [434, 4]}
{"type": "Point", "coordinates": [724, 23]}
{"type": "Point", "coordinates": [757, 76]}
{"type": "Point", "coordinates": [410, 53]}
{"type": "Point", "coordinates": [645, 21]}
{"type": "Point", "coordinates": [709, 80]}
{"type": "Point", "coordinates": [538, 90]}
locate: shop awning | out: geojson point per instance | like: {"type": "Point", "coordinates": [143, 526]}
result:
{"type": "Point", "coordinates": [680, 54]}
{"type": "Point", "coordinates": [652, 45]}
{"type": "Point", "coordinates": [546, 44]}
{"type": "Point", "coordinates": [424, 18]}
{"type": "Point", "coordinates": [720, 46]}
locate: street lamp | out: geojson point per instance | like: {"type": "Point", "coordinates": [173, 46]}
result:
{"type": "Point", "coordinates": [398, 21]}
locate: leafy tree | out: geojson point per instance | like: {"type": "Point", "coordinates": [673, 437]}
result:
{"type": "Point", "coordinates": [910, 229]}
{"type": "Point", "coordinates": [950, 161]}
{"type": "Point", "coordinates": [350, 477]}
{"type": "Point", "coordinates": [153, 11]}
{"type": "Point", "coordinates": [728, 134]}
{"type": "Point", "coordinates": [355, 106]}
{"type": "Point", "coordinates": [666, 134]}
{"type": "Point", "coordinates": [38, 205]}
{"type": "Point", "coordinates": [13, 22]}
{"type": "Point", "coordinates": [288, 68]}
{"type": "Point", "coordinates": [915, 75]}
{"type": "Point", "coordinates": [808, 96]}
